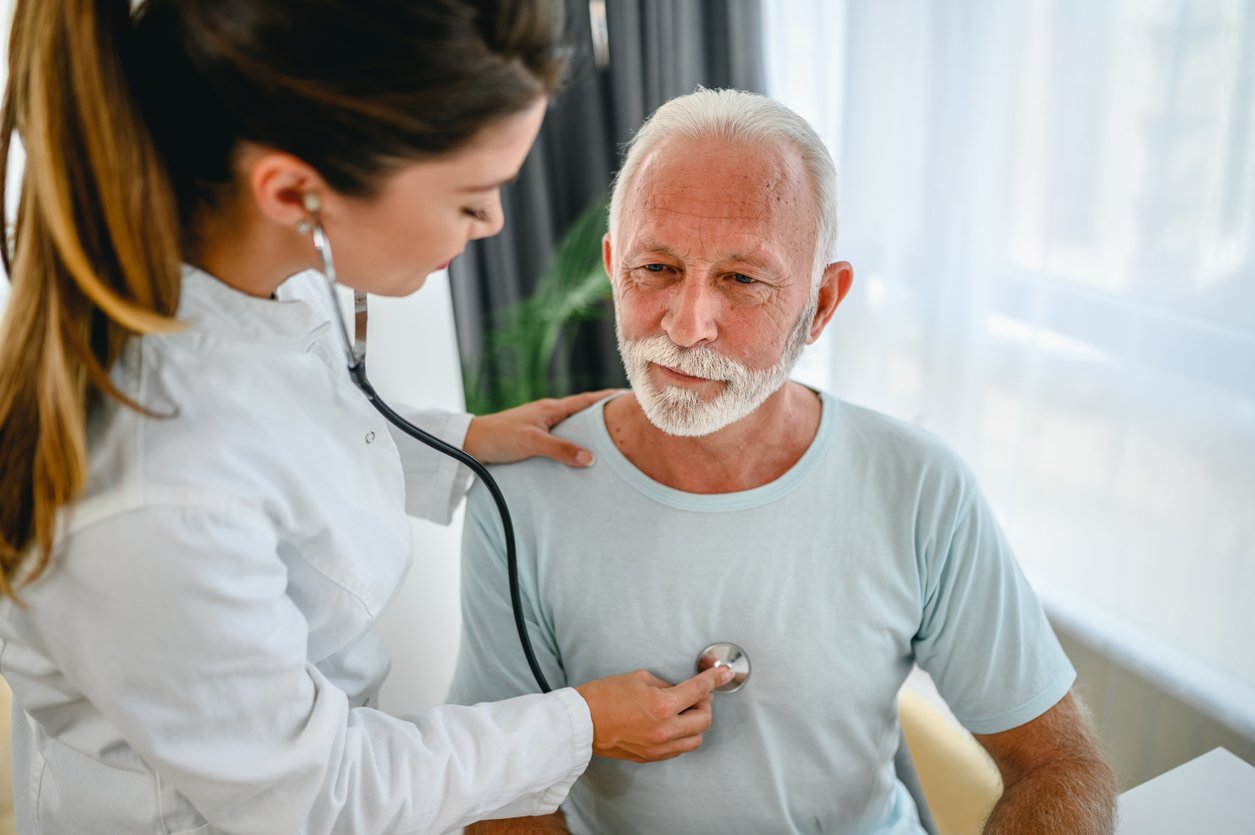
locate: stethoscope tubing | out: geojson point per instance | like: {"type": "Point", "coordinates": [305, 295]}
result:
{"type": "Point", "coordinates": [355, 355]}
{"type": "Point", "coordinates": [358, 373]}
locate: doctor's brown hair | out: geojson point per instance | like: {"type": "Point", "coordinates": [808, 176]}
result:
{"type": "Point", "coordinates": [130, 120]}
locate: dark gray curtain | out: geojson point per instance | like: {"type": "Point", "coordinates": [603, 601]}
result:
{"type": "Point", "coordinates": [657, 49]}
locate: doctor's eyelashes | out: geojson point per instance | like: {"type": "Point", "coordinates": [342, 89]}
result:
{"type": "Point", "coordinates": [479, 215]}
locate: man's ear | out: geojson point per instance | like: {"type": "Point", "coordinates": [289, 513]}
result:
{"type": "Point", "coordinates": [279, 183]}
{"type": "Point", "coordinates": [836, 282]}
{"type": "Point", "coordinates": [606, 256]}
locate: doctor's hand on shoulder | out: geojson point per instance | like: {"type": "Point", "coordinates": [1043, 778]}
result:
{"type": "Point", "coordinates": [524, 431]}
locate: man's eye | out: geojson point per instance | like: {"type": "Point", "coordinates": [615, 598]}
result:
{"type": "Point", "coordinates": [655, 268]}
{"type": "Point", "coordinates": [742, 278]}
{"type": "Point", "coordinates": [480, 215]}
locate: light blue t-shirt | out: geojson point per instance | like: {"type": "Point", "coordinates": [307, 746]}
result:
{"type": "Point", "coordinates": [874, 551]}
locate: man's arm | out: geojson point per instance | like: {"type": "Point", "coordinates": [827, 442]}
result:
{"type": "Point", "coordinates": [1055, 777]}
{"type": "Point", "coordinates": [554, 824]}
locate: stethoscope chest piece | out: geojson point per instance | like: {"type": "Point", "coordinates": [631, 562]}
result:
{"type": "Point", "coordinates": [726, 655]}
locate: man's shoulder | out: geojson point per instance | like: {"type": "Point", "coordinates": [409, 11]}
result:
{"type": "Point", "coordinates": [887, 441]}
{"type": "Point", "coordinates": [881, 426]}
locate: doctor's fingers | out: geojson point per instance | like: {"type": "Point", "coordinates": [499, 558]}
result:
{"type": "Point", "coordinates": [668, 750]}
{"type": "Point", "coordinates": [560, 450]}
{"type": "Point", "coordinates": [691, 691]}
{"type": "Point", "coordinates": [705, 704]}
{"type": "Point", "coordinates": [551, 412]}
{"type": "Point", "coordinates": [559, 409]}
{"type": "Point", "coordinates": [694, 721]}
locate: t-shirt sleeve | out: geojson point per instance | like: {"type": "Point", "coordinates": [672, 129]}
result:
{"type": "Point", "coordinates": [983, 635]}
{"type": "Point", "coordinates": [491, 664]}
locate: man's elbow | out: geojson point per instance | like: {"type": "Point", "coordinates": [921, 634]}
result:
{"type": "Point", "coordinates": [554, 824]}
{"type": "Point", "coordinates": [1056, 776]}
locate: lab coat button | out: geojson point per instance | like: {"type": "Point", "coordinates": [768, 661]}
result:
{"type": "Point", "coordinates": [370, 437]}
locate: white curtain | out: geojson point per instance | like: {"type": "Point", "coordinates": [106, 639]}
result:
{"type": "Point", "coordinates": [1050, 209]}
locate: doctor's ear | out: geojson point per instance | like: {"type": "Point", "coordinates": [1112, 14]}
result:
{"type": "Point", "coordinates": [285, 189]}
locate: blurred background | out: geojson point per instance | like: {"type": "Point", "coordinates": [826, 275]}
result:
{"type": "Point", "coordinates": [1050, 209]}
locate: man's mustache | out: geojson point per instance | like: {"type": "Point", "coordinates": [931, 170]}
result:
{"type": "Point", "coordinates": [696, 361]}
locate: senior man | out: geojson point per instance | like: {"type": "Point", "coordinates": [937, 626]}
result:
{"type": "Point", "coordinates": [836, 546]}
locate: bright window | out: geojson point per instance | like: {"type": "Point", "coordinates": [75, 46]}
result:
{"type": "Point", "coordinates": [1050, 208]}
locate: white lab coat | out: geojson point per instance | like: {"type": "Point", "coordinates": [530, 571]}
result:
{"type": "Point", "coordinates": [202, 656]}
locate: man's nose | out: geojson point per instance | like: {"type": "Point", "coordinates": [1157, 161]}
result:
{"type": "Point", "coordinates": [691, 318]}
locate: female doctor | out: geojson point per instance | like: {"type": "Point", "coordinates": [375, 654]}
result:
{"type": "Point", "coordinates": [201, 519]}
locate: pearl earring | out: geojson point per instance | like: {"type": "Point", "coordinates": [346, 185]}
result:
{"type": "Point", "coordinates": [313, 205]}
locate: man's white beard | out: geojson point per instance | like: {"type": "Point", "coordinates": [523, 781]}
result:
{"type": "Point", "coordinates": [682, 411]}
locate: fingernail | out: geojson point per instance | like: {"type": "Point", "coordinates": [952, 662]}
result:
{"type": "Point", "coordinates": [726, 675]}
{"type": "Point", "coordinates": [584, 458]}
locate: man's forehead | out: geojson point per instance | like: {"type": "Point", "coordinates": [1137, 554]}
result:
{"type": "Point", "coordinates": [663, 210]}
{"type": "Point", "coordinates": [656, 238]}
{"type": "Point", "coordinates": [720, 179]}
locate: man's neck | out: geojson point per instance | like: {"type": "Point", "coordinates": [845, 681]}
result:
{"type": "Point", "coordinates": [752, 452]}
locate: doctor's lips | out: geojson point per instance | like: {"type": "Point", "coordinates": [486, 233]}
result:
{"type": "Point", "coordinates": [445, 265]}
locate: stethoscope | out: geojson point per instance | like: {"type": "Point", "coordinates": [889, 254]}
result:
{"type": "Point", "coordinates": [722, 654]}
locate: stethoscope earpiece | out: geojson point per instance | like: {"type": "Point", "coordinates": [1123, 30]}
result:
{"type": "Point", "coordinates": [728, 655]}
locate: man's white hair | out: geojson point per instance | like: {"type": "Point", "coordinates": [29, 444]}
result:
{"type": "Point", "coordinates": [738, 116]}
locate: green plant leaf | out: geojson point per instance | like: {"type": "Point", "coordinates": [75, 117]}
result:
{"type": "Point", "coordinates": [522, 347]}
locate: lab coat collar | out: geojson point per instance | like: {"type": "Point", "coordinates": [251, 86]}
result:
{"type": "Point", "coordinates": [219, 311]}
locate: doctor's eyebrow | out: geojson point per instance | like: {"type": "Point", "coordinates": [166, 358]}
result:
{"type": "Point", "coordinates": [490, 186]}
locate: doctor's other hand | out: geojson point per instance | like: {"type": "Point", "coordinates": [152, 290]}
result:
{"type": "Point", "coordinates": [523, 432]}
{"type": "Point", "coordinates": [641, 718]}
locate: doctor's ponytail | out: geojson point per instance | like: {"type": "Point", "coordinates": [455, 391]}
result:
{"type": "Point", "coordinates": [93, 254]}
{"type": "Point", "coordinates": [132, 119]}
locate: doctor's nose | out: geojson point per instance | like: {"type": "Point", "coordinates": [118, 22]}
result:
{"type": "Point", "coordinates": [691, 318]}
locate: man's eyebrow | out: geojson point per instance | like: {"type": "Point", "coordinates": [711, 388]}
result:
{"type": "Point", "coordinates": [749, 258]}
{"type": "Point", "coordinates": [654, 247]}
{"type": "Point", "coordinates": [757, 261]}
{"type": "Point", "coordinates": [490, 186]}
